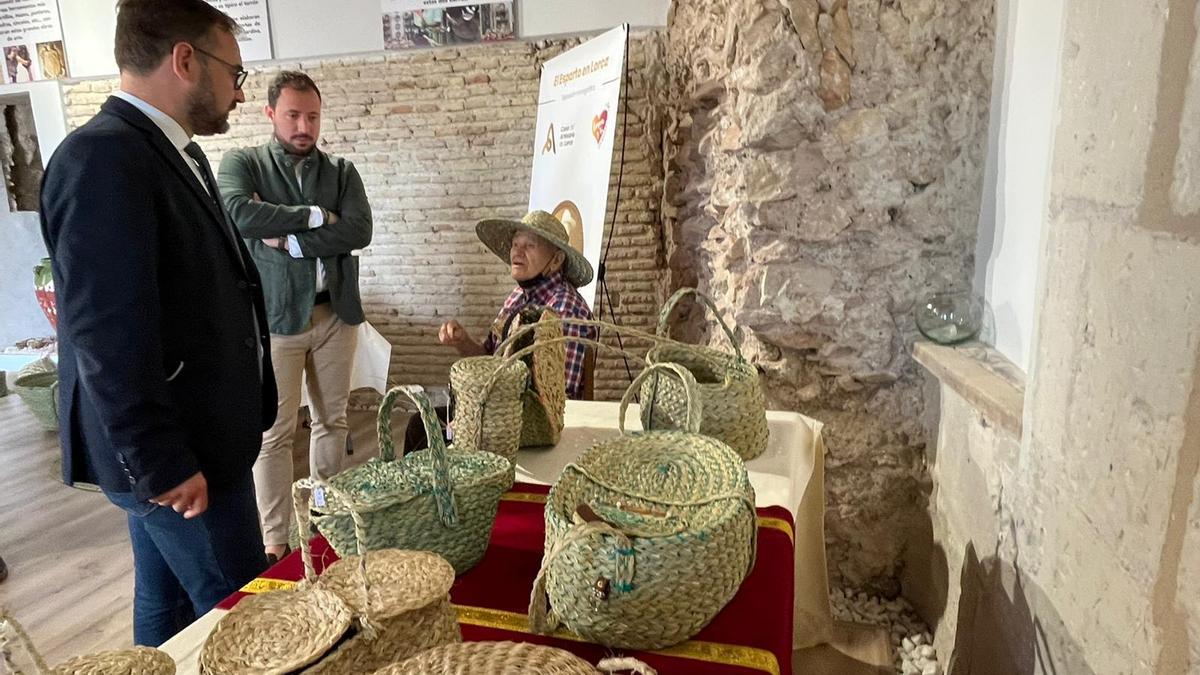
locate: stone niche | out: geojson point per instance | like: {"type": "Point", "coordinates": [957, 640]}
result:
{"type": "Point", "coordinates": [824, 169]}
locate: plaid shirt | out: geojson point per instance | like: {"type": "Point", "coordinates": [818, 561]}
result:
{"type": "Point", "coordinates": [559, 295]}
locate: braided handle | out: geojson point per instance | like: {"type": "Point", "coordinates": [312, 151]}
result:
{"type": "Point", "coordinates": [301, 496]}
{"type": "Point", "coordinates": [9, 628]}
{"type": "Point", "coordinates": [691, 389]}
{"type": "Point", "coordinates": [627, 331]}
{"type": "Point", "coordinates": [383, 423]}
{"type": "Point", "coordinates": [541, 619]}
{"type": "Point", "coordinates": [662, 329]}
{"type": "Point", "coordinates": [443, 489]}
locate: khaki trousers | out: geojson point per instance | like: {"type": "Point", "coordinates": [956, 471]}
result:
{"type": "Point", "coordinates": [326, 353]}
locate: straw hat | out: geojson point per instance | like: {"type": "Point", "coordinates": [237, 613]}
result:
{"type": "Point", "coordinates": [497, 234]}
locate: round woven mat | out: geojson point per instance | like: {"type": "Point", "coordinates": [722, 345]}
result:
{"type": "Point", "coordinates": [401, 581]}
{"type": "Point", "coordinates": [136, 661]}
{"type": "Point", "coordinates": [275, 633]}
{"type": "Point", "coordinates": [493, 658]}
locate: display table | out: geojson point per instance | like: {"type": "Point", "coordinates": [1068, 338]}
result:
{"type": "Point", "coordinates": [751, 635]}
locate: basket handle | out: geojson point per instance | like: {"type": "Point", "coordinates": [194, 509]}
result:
{"type": "Point", "coordinates": [665, 314]}
{"type": "Point", "coordinates": [627, 331]}
{"type": "Point", "coordinates": [383, 421]}
{"type": "Point", "coordinates": [542, 619]}
{"type": "Point", "coordinates": [9, 628]}
{"type": "Point", "coordinates": [443, 492]}
{"type": "Point", "coordinates": [301, 497]}
{"type": "Point", "coordinates": [509, 358]}
{"type": "Point", "coordinates": [691, 389]}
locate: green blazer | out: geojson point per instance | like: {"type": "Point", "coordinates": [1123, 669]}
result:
{"type": "Point", "coordinates": [282, 209]}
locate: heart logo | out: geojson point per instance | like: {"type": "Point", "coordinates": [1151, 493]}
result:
{"type": "Point", "coordinates": [599, 122]}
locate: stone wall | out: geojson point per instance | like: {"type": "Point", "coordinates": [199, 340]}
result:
{"type": "Point", "coordinates": [824, 172]}
{"type": "Point", "coordinates": [443, 138]}
{"type": "Point", "coordinates": [20, 156]}
{"type": "Point", "coordinates": [1086, 529]}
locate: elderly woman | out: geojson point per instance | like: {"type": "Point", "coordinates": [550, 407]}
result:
{"type": "Point", "coordinates": [548, 272]}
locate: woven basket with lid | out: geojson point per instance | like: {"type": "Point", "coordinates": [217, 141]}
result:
{"type": "Point", "coordinates": [401, 600]}
{"type": "Point", "coordinates": [648, 535]}
{"type": "Point", "coordinates": [734, 410]}
{"type": "Point", "coordinates": [277, 632]}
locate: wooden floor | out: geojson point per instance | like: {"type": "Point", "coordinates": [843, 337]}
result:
{"type": "Point", "coordinates": [70, 577]}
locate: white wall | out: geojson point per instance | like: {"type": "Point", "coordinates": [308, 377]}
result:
{"type": "Point", "coordinates": [20, 232]}
{"type": "Point", "coordinates": [1012, 225]}
{"type": "Point", "coordinates": [88, 28]}
{"type": "Point", "coordinates": [310, 28]}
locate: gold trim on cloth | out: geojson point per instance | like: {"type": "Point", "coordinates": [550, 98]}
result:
{"type": "Point", "coordinates": [696, 650]}
{"type": "Point", "coordinates": [262, 585]}
{"type": "Point", "coordinates": [763, 521]}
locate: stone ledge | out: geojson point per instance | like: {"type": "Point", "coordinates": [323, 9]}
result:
{"type": "Point", "coordinates": [982, 376]}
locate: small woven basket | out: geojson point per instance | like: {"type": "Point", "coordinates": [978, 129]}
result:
{"type": "Point", "coordinates": [135, 661]}
{"type": "Point", "coordinates": [37, 385]}
{"type": "Point", "coordinates": [648, 535]}
{"type": "Point", "coordinates": [401, 600]}
{"type": "Point", "coordinates": [544, 401]}
{"type": "Point", "coordinates": [506, 658]}
{"type": "Point", "coordinates": [734, 410]}
{"type": "Point", "coordinates": [498, 410]}
{"type": "Point", "coordinates": [433, 500]}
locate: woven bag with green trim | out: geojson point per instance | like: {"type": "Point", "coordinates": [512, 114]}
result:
{"type": "Point", "coordinates": [433, 500]}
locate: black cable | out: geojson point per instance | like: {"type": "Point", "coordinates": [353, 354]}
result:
{"type": "Point", "coordinates": [602, 273]}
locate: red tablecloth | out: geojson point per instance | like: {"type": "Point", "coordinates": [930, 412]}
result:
{"type": "Point", "coordinates": [753, 634]}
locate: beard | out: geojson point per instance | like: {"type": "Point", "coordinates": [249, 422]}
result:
{"type": "Point", "coordinates": [203, 113]}
{"type": "Point", "coordinates": [291, 149]}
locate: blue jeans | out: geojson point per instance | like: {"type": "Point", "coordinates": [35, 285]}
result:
{"type": "Point", "coordinates": [182, 568]}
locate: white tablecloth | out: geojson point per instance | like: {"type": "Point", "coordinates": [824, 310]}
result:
{"type": "Point", "coordinates": [789, 474]}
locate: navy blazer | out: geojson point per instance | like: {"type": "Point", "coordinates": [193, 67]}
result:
{"type": "Point", "coordinates": [158, 353]}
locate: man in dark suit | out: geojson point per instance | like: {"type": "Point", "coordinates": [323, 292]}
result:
{"type": "Point", "coordinates": [165, 375]}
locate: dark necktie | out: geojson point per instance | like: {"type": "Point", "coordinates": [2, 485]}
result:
{"type": "Point", "coordinates": [193, 150]}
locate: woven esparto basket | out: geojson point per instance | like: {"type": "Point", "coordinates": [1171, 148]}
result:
{"type": "Point", "coordinates": [543, 412]}
{"type": "Point", "coordinates": [400, 599]}
{"type": "Point", "coordinates": [498, 410]}
{"type": "Point", "coordinates": [135, 661]}
{"type": "Point", "coordinates": [433, 500]}
{"type": "Point", "coordinates": [518, 406]}
{"type": "Point", "coordinates": [648, 535]}
{"type": "Point", "coordinates": [543, 404]}
{"type": "Point", "coordinates": [507, 658]}
{"type": "Point", "coordinates": [37, 385]}
{"type": "Point", "coordinates": [734, 410]}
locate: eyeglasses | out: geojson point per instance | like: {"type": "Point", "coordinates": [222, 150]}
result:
{"type": "Point", "coordinates": [239, 73]}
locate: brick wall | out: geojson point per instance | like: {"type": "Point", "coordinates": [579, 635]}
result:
{"type": "Point", "coordinates": [444, 138]}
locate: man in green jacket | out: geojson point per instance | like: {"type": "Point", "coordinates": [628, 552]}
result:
{"type": "Point", "coordinates": [302, 213]}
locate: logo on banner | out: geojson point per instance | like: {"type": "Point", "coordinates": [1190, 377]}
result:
{"type": "Point", "coordinates": [599, 124]}
{"type": "Point", "coordinates": [548, 146]}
